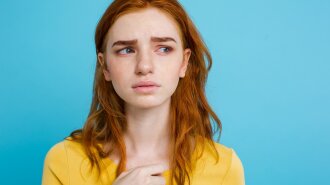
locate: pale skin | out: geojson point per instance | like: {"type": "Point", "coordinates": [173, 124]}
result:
{"type": "Point", "coordinates": [152, 51]}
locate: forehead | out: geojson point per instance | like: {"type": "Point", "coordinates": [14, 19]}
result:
{"type": "Point", "coordinates": [144, 24]}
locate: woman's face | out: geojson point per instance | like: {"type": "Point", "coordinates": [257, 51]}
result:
{"type": "Point", "coordinates": [144, 57]}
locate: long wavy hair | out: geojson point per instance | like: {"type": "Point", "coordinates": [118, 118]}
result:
{"type": "Point", "coordinates": [191, 117]}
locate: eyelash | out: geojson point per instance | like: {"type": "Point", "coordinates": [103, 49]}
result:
{"type": "Point", "coordinates": [169, 49]}
{"type": "Point", "coordinates": [119, 51]}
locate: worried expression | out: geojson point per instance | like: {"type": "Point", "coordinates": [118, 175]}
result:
{"type": "Point", "coordinates": [144, 57]}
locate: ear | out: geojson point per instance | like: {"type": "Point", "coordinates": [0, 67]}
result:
{"type": "Point", "coordinates": [183, 68]}
{"type": "Point", "coordinates": [101, 60]}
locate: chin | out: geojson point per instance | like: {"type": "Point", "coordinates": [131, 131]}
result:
{"type": "Point", "coordinates": [147, 103]}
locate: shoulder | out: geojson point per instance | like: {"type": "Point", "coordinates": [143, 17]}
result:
{"type": "Point", "coordinates": [225, 153]}
{"type": "Point", "coordinates": [64, 149]}
{"type": "Point", "coordinates": [56, 166]}
{"type": "Point", "coordinates": [228, 168]}
{"type": "Point", "coordinates": [228, 154]}
{"type": "Point", "coordinates": [63, 162]}
{"type": "Point", "coordinates": [234, 167]}
{"type": "Point", "coordinates": [58, 155]}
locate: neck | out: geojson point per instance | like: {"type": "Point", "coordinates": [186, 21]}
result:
{"type": "Point", "coordinates": [147, 130]}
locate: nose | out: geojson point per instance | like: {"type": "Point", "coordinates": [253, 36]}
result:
{"type": "Point", "coordinates": [144, 63]}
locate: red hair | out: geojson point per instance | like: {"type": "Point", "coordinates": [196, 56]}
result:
{"type": "Point", "coordinates": [190, 114]}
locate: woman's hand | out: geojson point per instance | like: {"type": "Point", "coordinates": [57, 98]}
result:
{"type": "Point", "coordinates": [142, 175]}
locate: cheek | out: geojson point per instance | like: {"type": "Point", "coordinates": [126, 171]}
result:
{"type": "Point", "coordinates": [172, 73]}
{"type": "Point", "coordinates": [171, 78]}
{"type": "Point", "coordinates": [121, 73]}
{"type": "Point", "coordinates": [171, 86]}
{"type": "Point", "coordinates": [172, 63]}
{"type": "Point", "coordinates": [118, 82]}
{"type": "Point", "coordinates": [116, 69]}
{"type": "Point", "coordinates": [118, 77]}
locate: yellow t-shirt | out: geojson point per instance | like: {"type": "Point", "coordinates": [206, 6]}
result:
{"type": "Point", "coordinates": [67, 164]}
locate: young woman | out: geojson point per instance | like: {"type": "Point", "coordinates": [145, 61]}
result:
{"type": "Point", "coordinates": [149, 122]}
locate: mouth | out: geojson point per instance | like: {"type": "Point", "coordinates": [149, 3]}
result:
{"type": "Point", "coordinates": [145, 87]}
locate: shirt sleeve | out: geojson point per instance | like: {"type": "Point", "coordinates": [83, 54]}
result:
{"type": "Point", "coordinates": [55, 171]}
{"type": "Point", "coordinates": [235, 173]}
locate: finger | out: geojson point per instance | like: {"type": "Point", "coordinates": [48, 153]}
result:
{"type": "Point", "coordinates": [157, 180]}
{"type": "Point", "coordinates": [124, 173]}
{"type": "Point", "coordinates": [153, 169]}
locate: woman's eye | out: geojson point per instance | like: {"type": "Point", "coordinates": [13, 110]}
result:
{"type": "Point", "coordinates": [125, 51]}
{"type": "Point", "coordinates": [165, 49]}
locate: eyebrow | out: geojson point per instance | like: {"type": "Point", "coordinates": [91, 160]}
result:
{"type": "Point", "coordinates": [162, 39]}
{"type": "Point", "coordinates": [124, 42]}
{"type": "Point", "coordinates": [133, 42]}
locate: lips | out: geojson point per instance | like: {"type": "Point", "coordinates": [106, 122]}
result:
{"type": "Point", "coordinates": [145, 84]}
{"type": "Point", "coordinates": [145, 87]}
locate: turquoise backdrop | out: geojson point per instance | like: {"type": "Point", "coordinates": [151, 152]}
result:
{"type": "Point", "coordinates": [269, 83]}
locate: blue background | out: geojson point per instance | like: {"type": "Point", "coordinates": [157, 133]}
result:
{"type": "Point", "coordinates": [269, 83]}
